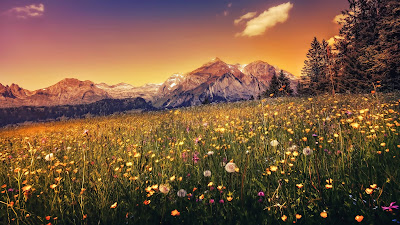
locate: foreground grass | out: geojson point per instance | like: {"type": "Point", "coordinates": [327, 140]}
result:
{"type": "Point", "coordinates": [289, 160]}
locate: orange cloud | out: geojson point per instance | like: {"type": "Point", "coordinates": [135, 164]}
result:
{"type": "Point", "coordinates": [339, 18]}
{"type": "Point", "coordinates": [246, 16]}
{"type": "Point", "coordinates": [24, 12]}
{"type": "Point", "coordinates": [267, 19]}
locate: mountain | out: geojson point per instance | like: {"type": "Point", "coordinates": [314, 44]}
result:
{"type": "Point", "coordinates": [68, 91]}
{"type": "Point", "coordinates": [123, 90]}
{"type": "Point", "coordinates": [217, 81]}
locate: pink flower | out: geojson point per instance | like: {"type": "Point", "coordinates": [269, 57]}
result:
{"type": "Point", "coordinates": [211, 201]}
{"type": "Point", "coordinates": [261, 194]}
{"type": "Point", "coordinates": [390, 207]}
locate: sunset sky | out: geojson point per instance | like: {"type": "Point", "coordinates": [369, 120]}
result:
{"type": "Point", "coordinates": [138, 42]}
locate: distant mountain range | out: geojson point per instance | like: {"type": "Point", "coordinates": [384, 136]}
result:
{"type": "Point", "coordinates": [215, 81]}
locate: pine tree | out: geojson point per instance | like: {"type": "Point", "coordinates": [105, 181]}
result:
{"type": "Point", "coordinates": [274, 85]}
{"type": "Point", "coordinates": [284, 85]}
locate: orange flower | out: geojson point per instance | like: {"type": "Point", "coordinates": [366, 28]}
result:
{"type": "Point", "coordinates": [323, 214]}
{"type": "Point", "coordinates": [299, 185]}
{"type": "Point", "coordinates": [48, 217]}
{"type": "Point", "coordinates": [284, 217]}
{"type": "Point", "coordinates": [359, 218]}
{"type": "Point", "coordinates": [369, 190]}
{"type": "Point", "coordinates": [229, 198]}
{"type": "Point", "coordinates": [328, 186]}
{"type": "Point", "coordinates": [146, 202]}
{"type": "Point", "coordinates": [175, 213]}
{"type": "Point", "coordinates": [53, 186]}
{"type": "Point", "coordinates": [373, 186]}
{"type": "Point", "coordinates": [4, 186]}
{"type": "Point", "coordinates": [113, 206]}
{"type": "Point", "coordinates": [298, 216]}
{"type": "Point", "coordinates": [27, 188]}
{"type": "Point", "coordinates": [84, 216]}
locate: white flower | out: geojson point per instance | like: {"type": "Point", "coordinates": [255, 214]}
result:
{"type": "Point", "coordinates": [274, 143]}
{"type": "Point", "coordinates": [210, 153]}
{"type": "Point", "coordinates": [207, 173]}
{"type": "Point", "coordinates": [230, 167]}
{"type": "Point", "coordinates": [49, 157]}
{"type": "Point", "coordinates": [164, 188]}
{"type": "Point", "coordinates": [307, 151]}
{"type": "Point", "coordinates": [292, 148]}
{"type": "Point", "coordinates": [181, 193]}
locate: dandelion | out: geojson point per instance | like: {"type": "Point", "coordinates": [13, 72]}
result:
{"type": "Point", "coordinates": [274, 143]}
{"type": "Point", "coordinates": [307, 151]}
{"type": "Point", "coordinates": [175, 213]}
{"type": "Point", "coordinates": [164, 188]}
{"type": "Point", "coordinates": [181, 193]}
{"type": "Point", "coordinates": [359, 218]}
{"type": "Point", "coordinates": [207, 173]}
{"type": "Point", "coordinates": [230, 167]}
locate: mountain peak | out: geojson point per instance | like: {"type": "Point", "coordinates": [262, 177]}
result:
{"type": "Point", "coordinates": [216, 59]}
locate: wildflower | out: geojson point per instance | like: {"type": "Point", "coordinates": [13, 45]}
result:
{"type": "Point", "coordinates": [113, 206]}
{"type": "Point", "coordinates": [146, 202]}
{"type": "Point", "coordinates": [26, 188]}
{"type": "Point", "coordinates": [369, 190]}
{"type": "Point", "coordinates": [207, 173]}
{"type": "Point", "coordinates": [230, 167]}
{"type": "Point", "coordinates": [373, 186]}
{"type": "Point", "coordinates": [195, 157]}
{"type": "Point", "coordinates": [49, 157]}
{"type": "Point", "coordinates": [181, 193]}
{"type": "Point", "coordinates": [164, 188]}
{"type": "Point", "coordinates": [175, 213]}
{"type": "Point", "coordinates": [307, 151]}
{"type": "Point", "coordinates": [359, 218]}
{"type": "Point", "coordinates": [324, 214]}
{"type": "Point", "coordinates": [229, 198]}
{"type": "Point", "coordinates": [53, 186]}
{"type": "Point", "coordinates": [298, 216]}
{"type": "Point", "coordinates": [210, 153]}
{"type": "Point", "coordinates": [299, 185]}
{"type": "Point", "coordinates": [211, 201]}
{"type": "Point", "coordinates": [390, 207]}
{"type": "Point", "coordinates": [274, 143]}
{"type": "Point", "coordinates": [261, 194]}
{"type": "Point", "coordinates": [292, 148]}
{"type": "Point", "coordinates": [284, 217]}
{"type": "Point", "coordinates": [221, 201]}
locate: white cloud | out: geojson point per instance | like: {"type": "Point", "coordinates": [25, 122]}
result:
{"type": "Point", "coordinates": [246, 16]}
{"type": "Point", "coordinates": [339, 18]}
{"type": "Point", "coordinates": [23, 12]}
{"type": "Point", "coordinates": [267, 19]}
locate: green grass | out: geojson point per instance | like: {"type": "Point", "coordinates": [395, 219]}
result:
{"type": "Point", "coordinates": [124, 159]}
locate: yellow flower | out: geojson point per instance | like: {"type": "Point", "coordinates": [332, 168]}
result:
{"type": "Point", "coordinates": [324, 214]}
{"type": "Point", "coordinates": [113, 206]}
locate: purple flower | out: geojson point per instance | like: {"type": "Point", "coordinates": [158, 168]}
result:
{"type": "Point", "coordinates": [261, 194]}
{"type": "Point", "coordinates": [314, 135]}
{"type": "Point", "coordinates": [390, 207]}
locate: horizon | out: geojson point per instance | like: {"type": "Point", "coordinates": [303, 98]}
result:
{"type": "Point", "coordinates": [146, 42]}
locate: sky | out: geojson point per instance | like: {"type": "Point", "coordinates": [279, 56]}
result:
{"type": "Point", "coordinates": [146, 41]}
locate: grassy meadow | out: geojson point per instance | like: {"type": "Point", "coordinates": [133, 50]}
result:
{"type": "Point", "coordinates": [321, 160]}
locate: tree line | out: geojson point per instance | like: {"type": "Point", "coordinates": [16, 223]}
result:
{"type": "Point", "coordinates": [365, 56]}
